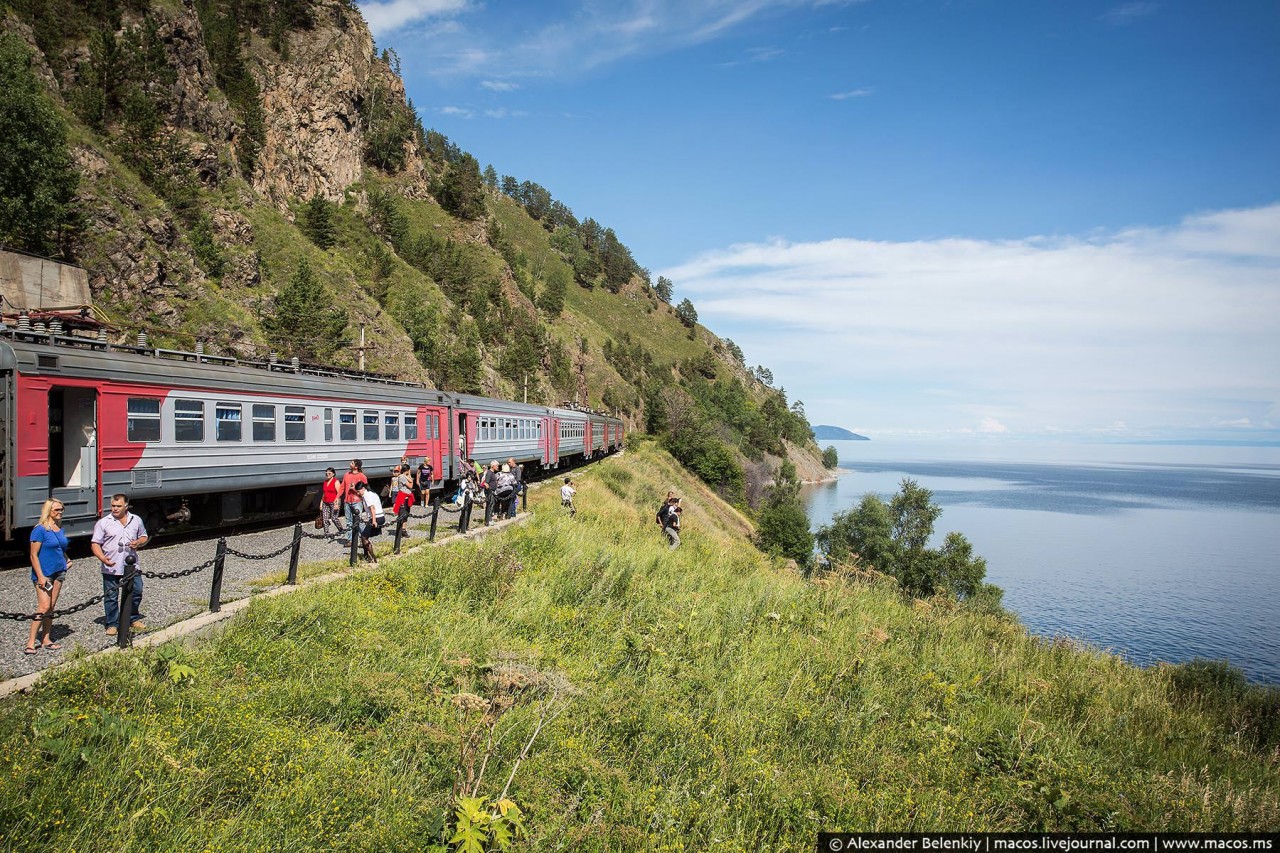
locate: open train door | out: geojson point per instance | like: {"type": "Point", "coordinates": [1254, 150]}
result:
{"type": "Point", "coordinates": [73, 455]}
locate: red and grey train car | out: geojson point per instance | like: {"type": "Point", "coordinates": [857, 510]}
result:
{"type": "Point", "coordinates": [207, 440]}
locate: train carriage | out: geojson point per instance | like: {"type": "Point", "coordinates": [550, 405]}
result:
{"type": "Point", "coordinates": [209, 439]}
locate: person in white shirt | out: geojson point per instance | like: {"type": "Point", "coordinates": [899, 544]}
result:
{"type": "Point", "coordinates": [377, 518]}
{"type": "Point", "coordinates": [116, 537]}
{"type": "Point", "coordinates": [567, 491]}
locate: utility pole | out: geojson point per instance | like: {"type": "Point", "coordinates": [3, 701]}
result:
{"type": "Point", "coordinates": [526, 387]}
{"type": "Point", "coordinates": [362, 347]}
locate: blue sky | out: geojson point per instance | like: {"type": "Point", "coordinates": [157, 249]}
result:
{"type": "Point", "coordinates": [953, 218]}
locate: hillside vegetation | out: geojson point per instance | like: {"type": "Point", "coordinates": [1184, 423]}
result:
{"type": "Point", "coordinates": [613, 695]}
{"type": "Point", "coordinates": [250, 175]}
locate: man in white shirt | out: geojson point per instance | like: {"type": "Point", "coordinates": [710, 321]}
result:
{"type": "Point", "coordinates": [377, 518]}
{"type": "Point", "coordinates": [116, 537]}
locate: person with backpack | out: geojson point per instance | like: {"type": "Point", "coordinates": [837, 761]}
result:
{"type": "Point", "coordinates": [489, 482]}
{"type": "Point", "coordinates": [504, 491]}
{"type": "Point", "coordinates": [517, 471]}
{"type": "Point", "coordinates": [668, 519]}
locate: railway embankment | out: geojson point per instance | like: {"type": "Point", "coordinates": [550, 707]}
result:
{"type": "Point", "coordinates": [621, 696]}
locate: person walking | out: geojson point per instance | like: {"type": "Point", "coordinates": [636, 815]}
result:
{"type": "Point", "coordinates": [567, 491]}
{"type": "Point", "coordinates": [401, 490]}
{"type": "Point", "coordinates": [671, 522]}
{"type": "Point", "coordinates": [371, 505]}
{"type": "Point", "coordinates": [116, 537]}
{"type": "Point", "coordinates": [330, 502]}
{"type": "Point", "coordinates": [351, 500]}
{"type": "Point", "coordinates": [504, 492]}
{"type": "Point", "coordinates": [49, 564]}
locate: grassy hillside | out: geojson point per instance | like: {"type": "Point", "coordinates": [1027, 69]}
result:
{"type": "Point", "coordinates": [699, 699]}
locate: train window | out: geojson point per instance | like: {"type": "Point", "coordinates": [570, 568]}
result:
{"type": "Point", "coordinates": [295, 423]}
{"type": "Point", "coordinates": [144, 419]}
{"type": "Point", "coordinates": [188, 420]}
{"type": "Point", "coordinates": [227, 418]}
{"type": "Point", "coordinates": [436, 426]}
{"type": "Point", "coordinates": [410, 427]}
{"type": "Point", "coordinates": [346, 424]}
{"type": "Point", "coordinates": [391, 424]}
{"type": "Point", "coordinates": [328, 424]}
{"type": "Point", "coordinates": [264, 422]}
{"type": "Point", "coordinates": [370, 426]}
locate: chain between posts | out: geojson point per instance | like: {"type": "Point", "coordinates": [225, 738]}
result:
{"type": "Point", "coordinates": [427, 512]}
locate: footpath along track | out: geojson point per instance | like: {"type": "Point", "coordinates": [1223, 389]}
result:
{"type": "Point", "coordinates": [173, 599]}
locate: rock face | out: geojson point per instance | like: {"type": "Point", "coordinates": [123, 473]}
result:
{"type": "Point", "coordinates": [314, 133]}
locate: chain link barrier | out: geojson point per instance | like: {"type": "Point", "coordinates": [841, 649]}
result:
{"type": "Point", "coordinates": [242, 555]}
{"type": "Point", "coordinates": [161, 576]}
{"type": "Point", "coordinates": [426, 513]}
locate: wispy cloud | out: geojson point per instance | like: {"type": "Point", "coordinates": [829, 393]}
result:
{"type": "Point", "coordinates": [756, 55]}
{"type": "Point", "coordinates": [1127, 13]}
{"type": "Point", "coordinates": [1152, 327]}
{"type": "Point", "coordinates": [499, 85]}
{"type": "Point", "coordinates": [570, 38]}
{"type": "Point", "coordinates": [462, 112]}
{"type": "Point", "coordinates": [852, 93]}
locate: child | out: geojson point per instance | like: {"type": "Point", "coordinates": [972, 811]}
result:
{"type": "Point", "coordinates": [567, 491]}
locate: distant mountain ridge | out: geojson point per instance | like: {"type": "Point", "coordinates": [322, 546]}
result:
{"type": "Point", "coordinates": [826, 432]}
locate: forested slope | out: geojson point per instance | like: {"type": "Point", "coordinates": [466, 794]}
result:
{"type": "Point", "coordinates": [249, 174]}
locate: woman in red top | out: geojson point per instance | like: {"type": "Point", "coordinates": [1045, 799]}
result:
{"type": "Point", "coordinates": [330, 508]}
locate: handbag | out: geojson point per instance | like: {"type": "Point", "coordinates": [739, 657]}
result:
{"type": "Point", "coordinates": [320, 521]}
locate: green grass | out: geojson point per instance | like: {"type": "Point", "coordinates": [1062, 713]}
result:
{"type": "Point", "coordinates": [718, 701]}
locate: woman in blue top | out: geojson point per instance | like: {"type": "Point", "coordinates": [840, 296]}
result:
{"type": "Point", "coordinates": [48, 565]}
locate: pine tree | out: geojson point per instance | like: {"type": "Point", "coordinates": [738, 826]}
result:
{"type": "Point", "coordinates": [304, 320]}
{"type": "Point", "coordinates": [37, 177]}
{"type": "Point", "coordinates": [317, 222]}
{"type": "Point", "coordinates": [664, 288]}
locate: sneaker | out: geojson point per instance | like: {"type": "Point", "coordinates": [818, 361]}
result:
{"type": "Point", "coordinates": [138, 626]}
{"type": "Point", "coordinates": [111, 632]}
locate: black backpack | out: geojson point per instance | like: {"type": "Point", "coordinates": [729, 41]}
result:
{"type": "Point", "coordinates": [662, 515]}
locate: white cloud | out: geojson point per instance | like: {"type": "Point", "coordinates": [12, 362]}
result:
{"type": "Point", "coordinates": [499, 85]}
{"type": "Point", "coordinates": [1152, 327]}
{"type": "Point", "coordinates": [392, 15]}
{"type": "Point", "coordinates": [462, 112]}
{"type": "Point", "coordinates": [992, 426]}
{"type": "Point", "coordinates": [852, 93]}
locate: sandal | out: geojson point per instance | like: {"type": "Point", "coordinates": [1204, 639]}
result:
{"type": "Point", "coordinates": [29, 650]}
{"type": "Point", "coordinates": [52, 647]}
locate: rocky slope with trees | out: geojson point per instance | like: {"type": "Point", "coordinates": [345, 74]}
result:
{"type": "Point", "coordinates": [250, 175]}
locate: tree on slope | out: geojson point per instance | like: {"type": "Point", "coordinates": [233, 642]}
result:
{"type": "Point", "coordinates": [37, 178]}
{"type": "Point", "coordinates": [783, 526]}
{"type": "Point", "coordinates": [893, 538]}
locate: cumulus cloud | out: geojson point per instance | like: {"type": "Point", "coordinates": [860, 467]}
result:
{"type": "Point", "coordinates": [393, 15]}
{"type": "Point", "coordinates": [1154, 327]}
{"type": "Point", "coordinates": [852, 93]}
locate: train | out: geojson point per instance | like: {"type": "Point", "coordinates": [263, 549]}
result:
{"type": "Point", "coordinates": [201, 440]}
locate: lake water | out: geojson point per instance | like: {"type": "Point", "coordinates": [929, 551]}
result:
{"type": "Point", "coordinates": [1159, 553]}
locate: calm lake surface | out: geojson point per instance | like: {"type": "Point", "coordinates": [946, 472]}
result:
{"type": "Point", "coordinates": [1158, 553]}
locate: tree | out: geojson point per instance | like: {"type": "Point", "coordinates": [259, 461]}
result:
{"type": "Point", "coordinates": [686, 313]}
{"type": "Point", "coordinates": [830, 457]}
{"type": "Point", "coordinates": [461, 191]}
{"type": "Point", "coordinates": [304, 320]}
{"type": "Point", "coordinates": [317, 222]}
{"type": "Point", "coordinates": [783, 526]}
{"type": "Point", "coordinates": [37, 177]}
{"type": "Point", "coordinates": [893, 538]}
{"type": "Point", "coordinates": [551, 300]}
{"type": "Point", "coordinates": [490, 177]}
{"type": "Point", "coordinates": [664, 288]}
{"type": "Point", "coordinates": [763, 374]}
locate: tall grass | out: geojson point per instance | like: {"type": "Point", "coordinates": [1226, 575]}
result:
{"type": "Point", "coordinates": [714, 700]}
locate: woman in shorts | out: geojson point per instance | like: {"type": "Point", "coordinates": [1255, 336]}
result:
{"type": "Point", "coordinates": [49, 565]}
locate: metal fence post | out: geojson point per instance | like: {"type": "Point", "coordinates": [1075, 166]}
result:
{"type": "Point", "coordinates": [125, 599]}
{"type": "Point", "coordinates": [435, 516]}
{"type": "Point", "coordinates": [215, 590]}
{"type": "Point", "coordinates": [399, 531]}
{"type": "Point", "coordinates": [294, 554]}
{"type": "Point", "coordinates": [355, 540]}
